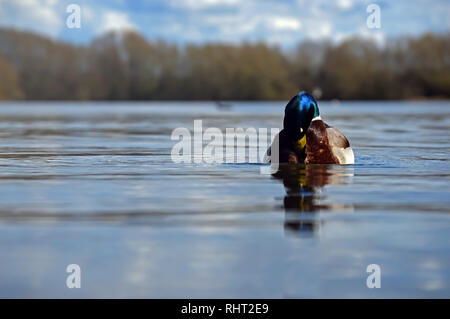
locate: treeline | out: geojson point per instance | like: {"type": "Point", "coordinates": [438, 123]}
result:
{"type": "Point", "coordinates": [126, 66]}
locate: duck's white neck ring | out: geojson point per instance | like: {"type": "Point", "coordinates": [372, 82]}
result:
{"type": "Point", "coordinates": [316, 118]}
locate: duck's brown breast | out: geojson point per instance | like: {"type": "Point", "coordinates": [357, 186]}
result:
{"type": "Point", "coordinates": [318, 150]}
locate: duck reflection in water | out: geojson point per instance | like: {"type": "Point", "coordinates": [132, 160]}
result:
{"type": "Point", "coordinates": [303, 184]}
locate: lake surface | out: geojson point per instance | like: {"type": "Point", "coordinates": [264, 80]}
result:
{"type": "Point", "coordinates": [94, 184]}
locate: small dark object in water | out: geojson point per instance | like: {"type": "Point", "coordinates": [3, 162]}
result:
{"type": "Point", "coordinates": [223, 105]}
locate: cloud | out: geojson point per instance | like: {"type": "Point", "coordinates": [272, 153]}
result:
{"type": "Point", "coordinates": [319, 30]}
{"type": "Point", "coordinates": [115, 21]}
{"type": "Point", "coordinates": [42, 16]}
{"type": "Point", "coordinates": [202, 4]}
{"type": "Point", "coordinates": [285, 23]}
{"type": "Point", "coordinates": [232, 21]}
{"type": "Point", "coordinates": [344, 4]}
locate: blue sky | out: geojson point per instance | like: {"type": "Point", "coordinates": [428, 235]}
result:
{"type": "Point", "coordinates": [282, 22]}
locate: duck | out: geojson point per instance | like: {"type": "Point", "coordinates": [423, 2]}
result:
{"type": "Point", "coordinates": [307, 139]}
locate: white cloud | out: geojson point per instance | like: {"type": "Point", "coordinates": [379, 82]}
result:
{"type": "Point", "coordinates": [232, 21]}
{"type": "Point", "coordinates": [42, 16]}
{"type": "Point", "coordinates": [88, 14]}
{"type": "Point", "coordinates": [245, 24]}
{"type": "Point", "coordinates": [317, 30]}
{"type": "Point", "coordinates": [237, 25]}
{"type": "Point", "coordinates": [201, 4]}
{"type": "Point", "coordinates": [285, 23]}
{"type": "Point", "coordinates": [344, 4]}
{"type": "Point", "coordinates": [115, 21]}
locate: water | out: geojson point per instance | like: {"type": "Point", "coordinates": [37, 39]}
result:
{"type": "Point", "coordinates": [93, 184]}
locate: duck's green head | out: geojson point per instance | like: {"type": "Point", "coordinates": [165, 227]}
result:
{"type": "Point", "coordinates": [298, 114]}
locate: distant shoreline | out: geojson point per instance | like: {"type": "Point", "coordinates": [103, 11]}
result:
{"type": "Point", "coordinates": [126, 66]}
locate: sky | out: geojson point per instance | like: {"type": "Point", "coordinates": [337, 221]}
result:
{"type": "Point", "coordinates": [278, 22]}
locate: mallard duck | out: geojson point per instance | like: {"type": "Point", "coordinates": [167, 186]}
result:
{"type": "Point", "coordinates": [305, 138]}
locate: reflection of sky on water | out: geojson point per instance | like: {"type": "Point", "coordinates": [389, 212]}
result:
{"type": "Point", "coordinates": [94, 185]}
{"type": "Point", "coordinates": [137, 261]}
